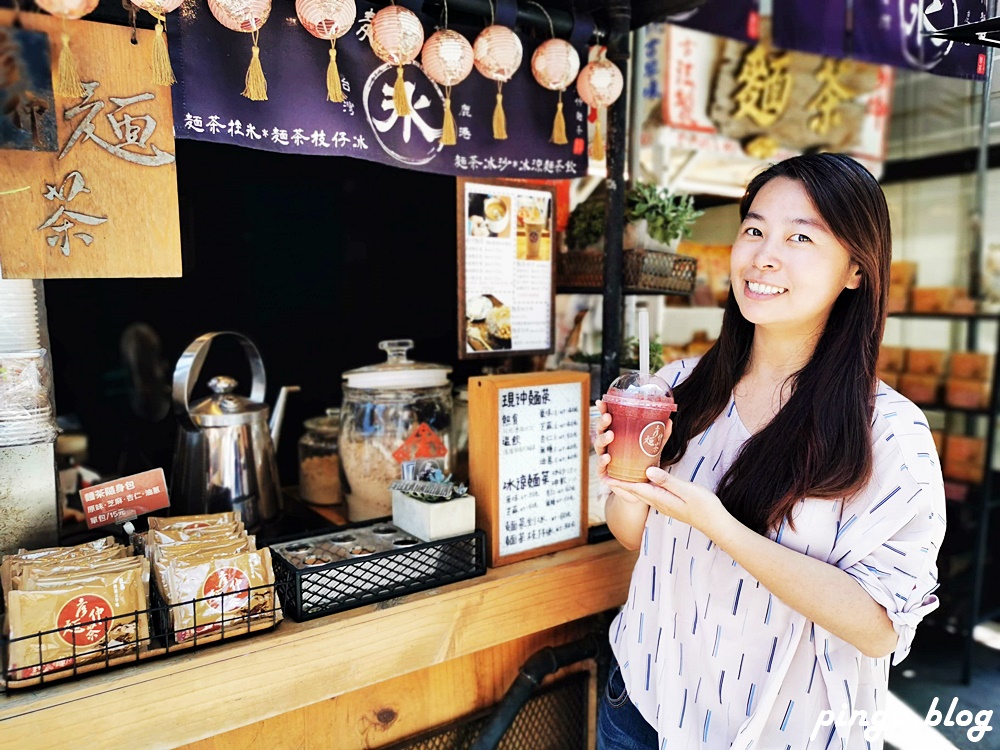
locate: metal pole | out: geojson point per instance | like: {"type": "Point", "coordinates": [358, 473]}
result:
{"type": "Point", "coordinates": [635, 107]}
{"type": "Point", "coordinates": [619, 12]}
{"type": "Point", "coordinates": [975, 290]}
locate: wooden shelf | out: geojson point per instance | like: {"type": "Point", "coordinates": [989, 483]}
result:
{"type": "Point", "coordinates": [200, 694]}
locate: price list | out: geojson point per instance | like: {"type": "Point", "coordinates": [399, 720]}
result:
{"type": "Point", "coordinates": [540, 431]}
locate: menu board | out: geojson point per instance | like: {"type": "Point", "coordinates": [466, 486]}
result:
{"type": "Point", "coordinates": [528, 461]}
{"type": "Point", "coordinates": [505, 269]}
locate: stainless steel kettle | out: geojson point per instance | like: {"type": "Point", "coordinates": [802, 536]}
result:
{"type": "Point", "coordinates": [225, 456]}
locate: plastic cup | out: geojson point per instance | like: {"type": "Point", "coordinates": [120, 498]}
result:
{"type": "Point", "coordinates": [640, 408]}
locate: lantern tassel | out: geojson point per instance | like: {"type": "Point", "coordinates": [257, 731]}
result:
{"type": "Point", "coordinates": [559, 125]}
{"type": "Point", "coordinates": [597, 146]}
{"type": "Point", "coordinates": [399, 99]}
{"type": "Point", "coordinates": [499, 120]}
{"type": "Point", "coordinates": [334, 90]}
{"type": "Point", "coordinates": [163, 74]}
{"type": "Point", "coordinates": [449, 136]}
{"type": "Point", "coordinates": [68, 80]}
{"type": "Point", "coordinates": [256, 84]}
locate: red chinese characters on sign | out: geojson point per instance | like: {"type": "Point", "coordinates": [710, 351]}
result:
{"type": "Point", "coordinates": [227, 589]}
{"type": "Point", "coordinates": [423, 442]}
{"type": "Point", "coordinates": [83, 621]}
{"type": "Point", "coordinates": [124, 498]}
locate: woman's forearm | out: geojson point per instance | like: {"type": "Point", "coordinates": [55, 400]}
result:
{"type": "Point", "coordinates": [822, 592]}
{"type": "Point", "coordinates": [626, 519]}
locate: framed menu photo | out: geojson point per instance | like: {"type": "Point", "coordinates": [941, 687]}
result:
{"type": "Point", "coordinates": [506, 268]}
{"type": "Point", "coordinates": [528, 451]}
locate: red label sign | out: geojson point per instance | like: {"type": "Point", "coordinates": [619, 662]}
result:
{"type": "Point", "coordinates": [981, 64]}
{"type": "Point", "coordinates": [232, 582]}
{"type": "Point", "coordinates": [80, 620]}
{"type": "Point", "coordinates": [124, 498]}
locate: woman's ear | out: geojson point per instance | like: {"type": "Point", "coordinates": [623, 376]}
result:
{"type": "Point", "coordinates": [855, 279]}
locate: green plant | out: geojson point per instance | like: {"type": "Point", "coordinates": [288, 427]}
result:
{"type": "Point", "coordinates": [629, 358]}
{"type": "Point", "coordinates": [668, 217]}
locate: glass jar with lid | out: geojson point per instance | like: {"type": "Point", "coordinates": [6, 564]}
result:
{"type": "Point", "coordinates": [319, 460]}
{"type": "Point", "coordinates": [395, 418]}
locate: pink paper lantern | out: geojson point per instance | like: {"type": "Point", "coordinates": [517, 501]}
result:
{"type": "Point", "coordinates": [396, 35]}
{"type": "Point", "coordinates": [555, 64]}
{"type": "Point", "coordinates": [600, 83]}
{"type": "Point", "coordinates": [326, 19]}
{"type": "Point", "coordinates": [241, 15]}
{"type": "Point", "coordinates": [447, 58]}
{"type": "Point", "coordinates": [157, 7]}
{"type": "Point", "coordinates": [68, 9]}
{"type": "Point", "coordinates": [497, 53]}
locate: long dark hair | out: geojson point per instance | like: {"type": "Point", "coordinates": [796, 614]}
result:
{"type": "Point", "coordinates": [819, 442]}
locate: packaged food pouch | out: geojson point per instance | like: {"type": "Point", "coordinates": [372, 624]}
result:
{"type": "Point", "coordinates": [162, 537]}
{"type": "Point", "coordinates": [36, 576]}
{"type": "Point", "coordinates": [57, 629]}
{"type": "Point", "coordinates": [193, 522]}
{"type": "Point", "coordinates": [184, 550]}
{"type": "Point", "coordinates": [223, 595]}
{"type": "Point", "coordinates": [11, 567]}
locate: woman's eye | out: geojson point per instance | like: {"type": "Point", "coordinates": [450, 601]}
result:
{"type": "Point", "coordinates": [800, 238]}
{"type": "Point", "coordinates": [754, 232]}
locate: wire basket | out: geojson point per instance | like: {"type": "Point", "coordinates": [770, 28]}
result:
{"type": "Point", "coordinates": [129, 646]}
{"type": "Point", "coordinates": [643, 271]}
{"type": "Point", "coordinates": [354, 567]}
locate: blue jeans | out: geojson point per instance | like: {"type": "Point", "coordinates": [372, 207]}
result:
{"type": "Point", "coordinates": [620, 726]}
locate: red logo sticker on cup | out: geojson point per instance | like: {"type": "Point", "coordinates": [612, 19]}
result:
{"type": "Point", "coordinates": [79, 620]}
{"type": "Point", "coordinates": [651, 438]}
{"type": "Point", "coordinates": [232, 582]}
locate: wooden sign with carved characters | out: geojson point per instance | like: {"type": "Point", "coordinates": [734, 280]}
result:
{"type": "Point", "coordinates": [103, 204]}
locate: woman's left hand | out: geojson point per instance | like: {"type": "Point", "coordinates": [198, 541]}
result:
{"type": "Point", "coordinates": [685, 501]}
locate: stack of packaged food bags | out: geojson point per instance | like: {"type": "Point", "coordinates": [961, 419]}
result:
{"type": "Point", "coordinates": [211, 574]}
{"type": "Point", "coordinates": [71, 606]}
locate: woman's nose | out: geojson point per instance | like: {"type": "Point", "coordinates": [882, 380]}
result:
{"type": "Point", "coordinates": [765, 257]}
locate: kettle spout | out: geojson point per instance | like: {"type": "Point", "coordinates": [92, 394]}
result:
{"type": "Point", "coordinates": [279, 412]}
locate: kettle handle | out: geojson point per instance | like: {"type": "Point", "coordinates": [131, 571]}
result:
{"type": "Point", "coordinates": [189, 368]}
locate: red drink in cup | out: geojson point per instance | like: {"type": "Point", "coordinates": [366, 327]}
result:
{"type": "Point", "coordinates": [640, 408]}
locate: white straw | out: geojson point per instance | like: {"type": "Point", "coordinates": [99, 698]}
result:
{"type": "Point", "coordinates": [644, 343]}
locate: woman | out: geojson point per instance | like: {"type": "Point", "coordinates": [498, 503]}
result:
{"type": "Point", "coordinates": [789, 545]}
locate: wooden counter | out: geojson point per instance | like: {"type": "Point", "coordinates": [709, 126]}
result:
{"type": "Point", "coordinates": [185, 698]}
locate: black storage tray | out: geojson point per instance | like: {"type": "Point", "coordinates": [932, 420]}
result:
{"type": "Point", "coordinates": [321, 575]}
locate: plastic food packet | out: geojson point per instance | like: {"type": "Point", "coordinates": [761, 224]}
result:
{"type": "Point", "coordinates": [223, 595]}
{"type": "Point", "coordinates": [83, 622]}
{"type": "Point", "coordinates": [12, 565]}
{"type": "Point", "coordinates": [36, 576]}
{"type": "Point", "coordinates": [161, 537]}
{"type": "Point", "coordinates": [193, 522]}
{"type": "Point", "coordinates": [185, 550]}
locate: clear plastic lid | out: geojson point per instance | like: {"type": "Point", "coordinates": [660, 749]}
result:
{"type": "Point", "coordinates": [632, 386]}
{"type": "Point", "coordinates": [326, 425]}
{"type": "Point", "coordinates": [398, 371]}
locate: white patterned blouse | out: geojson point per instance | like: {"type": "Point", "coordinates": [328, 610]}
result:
{"type": "Point", "coordinates": [713, 660]}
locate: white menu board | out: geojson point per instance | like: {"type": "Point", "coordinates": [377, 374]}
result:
{"type": "Point", "coordinates": [506, 247]}
{"type": "Point", "coordinates": [539, 466]}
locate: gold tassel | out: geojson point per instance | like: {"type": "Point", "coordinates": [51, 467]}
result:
{"type": "Point", "coordinates": [559, 126]}
{"type": "Point", "coordinates": [449, 137]}
{"type": "Point", "coordinates": [499, 119]}
{"type": "Point", "coordinates": [399, 100]}
{"type": "Point", "coordinates": [163, 74]}
{"type": "Point", "coordinates": [256, 84]}
{"type": "Point", "coordinates": [597, 146]}
{"type": "Point", "coordinates": [68, 80]}
{"type": "Point", "coordinates": [334, 91]}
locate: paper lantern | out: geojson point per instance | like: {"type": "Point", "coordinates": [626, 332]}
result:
{"type": "Point", "coordinates": [163, 74]}
{"type": "Point", "coordinates": [328, 19]}
{"type": "Point", "coordinates": [497, 55]}
{"type": "Point", "coordinates": [396, 37]}
{"type": "Point", "coordinates": [447, 60]}
{"type": "Point", "coordinates": [555, 65]}
{"type": "Point", "coordinates": [246, 16]}
{"type": "Point", "coordinates": [67, 79]}
{"type": "Point", "coordinates": [599, 84]}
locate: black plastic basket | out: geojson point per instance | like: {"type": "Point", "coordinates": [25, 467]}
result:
{"type": "Point", "coordinates": [317, 590]}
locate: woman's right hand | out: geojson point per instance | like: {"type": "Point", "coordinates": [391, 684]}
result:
{"type": "Point", "coordinates": [603, 439]}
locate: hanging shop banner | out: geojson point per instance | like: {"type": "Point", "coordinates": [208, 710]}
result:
{"type": "Point", "coordinates": [735, 19]}
{"type": "Point", "coordinates": [808, 26]}
{"type": "Point", "coordinates": [88, 186]}
{"type": "Point", "coordinates": [895, 33]}
{"type": "Point", "coordinates": [765, 103]}
{"type": "Point", "coordinates": [211, 63]}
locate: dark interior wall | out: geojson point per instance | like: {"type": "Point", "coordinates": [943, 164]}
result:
{"type": "Point", "coordinates": [315, 259]}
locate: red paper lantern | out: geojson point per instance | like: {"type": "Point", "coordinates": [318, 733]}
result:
{"type": "Point", "coordinates": [246, 16]}
{"type": "Point", "coordinates": [497, 56]}
{"type": "Point", "coordinates": [396, 38]}
{"type": "Point", "coordinates": [328, 19]}
{"type": "Point", "coordinates": [447, 60]}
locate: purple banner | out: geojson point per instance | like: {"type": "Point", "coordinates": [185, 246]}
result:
{"type": "Point", "coordinates": [892, 32]}
{"type": "Point", "coordinates": [210, 63]}
{"type": "Point", "coordinates": [736, 19]}
{"type": "Point", "coordinates": [809, 26]}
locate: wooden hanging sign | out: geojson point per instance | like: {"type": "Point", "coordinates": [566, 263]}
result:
{"type": "Point", "coordinates": [528, 462]}
{"type": "Point", "coordinates": [102, 200]}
